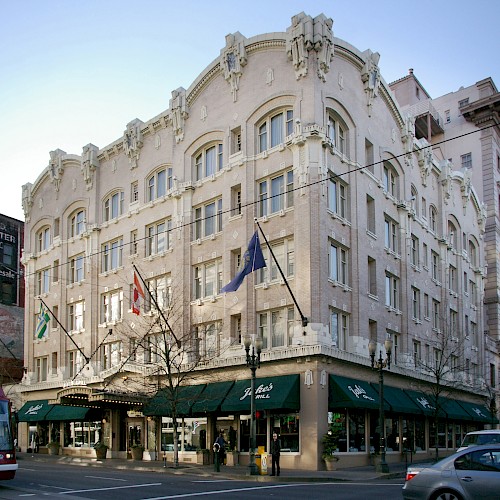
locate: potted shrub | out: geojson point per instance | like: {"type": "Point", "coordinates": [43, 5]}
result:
{"type": "Point", "coordinates": [330, 446]}
{"type": "Point", "coordinates": [137, 450]}
{"type": "Point", "coordinates": [53, 448]}
{"type": "Point", "coordinates": [232, 457]}
{"type": "Point", "coordinates": [100, 450]}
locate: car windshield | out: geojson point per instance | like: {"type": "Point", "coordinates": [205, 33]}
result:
{"type": "Point", "coordinates": [478, 439]}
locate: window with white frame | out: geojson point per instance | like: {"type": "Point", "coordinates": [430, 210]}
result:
{"type": "Point", "coordinates": [77, 223]}
{"type": "Point", "coordinates": [134, 191]}
{"type": "Point", "coordinates": [111, 306]}
{"type": "Point", "coordinates": [337, 132]}
{"type": "Point", "coordinates": [273, 130]}
{"type": "Point", "coordinates": [111, 354]}
{"type": "Point", "coordinates": [158, 183]}
{"type": "Point", "coordinates": [433, 219]}
{"type": "Point", "coordinates": [208, 161]}
{"type": "Point", "coordinates": [74, 363]}
{"type": "Point", "coordinates": [276, 327]}
{"type": "Point", "coordinates": [207, 219]}
{"type": "Point", "coordinates": [284, 253]}
{"type": "Point", "coordinates": [208, 339]}
{"type": "Point", "coordinates": [207, 279]}
{"type": "Point", "coordinates": [236, 200]}
{"type": "Point", "coordinates": [275, 193]}
{"type": "Point", "coordinates": [43, 238]}
{"type": "Point", "coordinates": [391, 235]}
{"type": "Point", "coordinates": [154, 348]}
{"type": "Point", "coordinates": [338, 197]}
{"type": "Point", "coordinates": [158, 237]}
{"type": "Point", "coordinates": [338, 263]}
{"type": "Point", "coordinates": [391, 291]}
{"type": "Point", "coordinates": [434, 265]}
{"type": "Point", "coordinates": [454, 323]}
{"type": "Point", "coordinates": [466, 160]}
{"type": "Point", "coordinates": [453, 282]}
{"type": "Point", "coordinates": [473, 254]}
{"type": "Point", "coordinates": [113, 206]}
{"type": "Point", "coordinates": [43, 281]}
{"type": "Point", "coordinates": [76, 316]}
{"type": "Point", "coordinates": [415, 300]}
{"type": "Point", "coordinates": [41, 368]}
{"type": "Point", "coordinates": [160, 288]}
{"type": "Point", "coordinates": [452, 235]}
{"type": "Point", "coordinates": [134, 248]}
{"type": "Point", "coordinates": [435, 314]}
{"type": "Point", "coordinates": [112, 254]}
{"type": "Point", "coordinates": [339, 328]}
{"type": "Point", "coordinates": [414, 257]}
{"type": "Point", "coordinates": [390, 180]}
{"type": "Point", "coordinates": [417, 353]}
{"type": "Point", "coordinates": [76, 268]}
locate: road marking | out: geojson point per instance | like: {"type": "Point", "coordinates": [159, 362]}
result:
{"type": "Point", "coordinates": [111, 488]}
{"type": "Point", "coordinates": [110, 478]}
{"type": "Point", "coordinates": [214, 481]}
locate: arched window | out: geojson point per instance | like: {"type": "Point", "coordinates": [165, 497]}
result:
{"type": "Point", "coordinates": [452, 235]}
{"type": "Point", "coordinates": [274, 128]}
{"type": "Point", "coordinates": [77, 223]}
{"type": "Point", "coordinates": [391, 180]}
{"type": "Point", "coordinates": [473, 253]}
{"type": "Point", "coordinates": [414, 200]}
{"type": "Point", "coordinates": [43, 239]}
{"type": "Point", "coordinates": [159, 183]}
{"type": "Point", "coordinates": [208, 161]}
{"type": "Point", "coordinates": [113, 206]}
{"type": "Point", "coordinates": [433, 218]}
{"type": "Point", "coordinates": [337, 132]}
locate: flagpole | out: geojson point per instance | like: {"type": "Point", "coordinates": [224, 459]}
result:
{"type": "Point", "coordinates": [304, 319]}
{"type": "Point", "coordinates": [178, 342]}
{"type": "Point", "coordinates": [64, 330]}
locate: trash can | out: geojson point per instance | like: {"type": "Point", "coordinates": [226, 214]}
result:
{"type": "Point", "coordinates": [262, 460]}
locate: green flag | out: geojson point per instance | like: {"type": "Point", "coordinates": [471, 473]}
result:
{"type": "Point", "coordinates": [43, 321]}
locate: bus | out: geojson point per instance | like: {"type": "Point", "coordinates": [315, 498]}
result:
{"type": "Point", "coordinates": [8, 463]}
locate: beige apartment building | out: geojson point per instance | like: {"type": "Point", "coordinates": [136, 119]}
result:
{"type": "Point", "coordinates": [377, 235]}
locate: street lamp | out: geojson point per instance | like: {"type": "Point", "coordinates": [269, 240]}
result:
{"type": "Point", "coordinates": [380, 364]}
{"type": "Point", "coordinates": [253, 362]}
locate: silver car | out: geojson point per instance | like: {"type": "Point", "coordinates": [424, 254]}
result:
{"type": "Point", "coordinates": [466, 475]}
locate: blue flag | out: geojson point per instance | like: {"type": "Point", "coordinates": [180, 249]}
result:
{"type": "Point", "coordinates": [252, 260]}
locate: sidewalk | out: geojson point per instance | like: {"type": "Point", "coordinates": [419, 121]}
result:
{"type": "Point", "coordinates": [396, 471]}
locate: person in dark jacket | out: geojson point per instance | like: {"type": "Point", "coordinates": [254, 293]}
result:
{"type": "Point", "coordinates": [275, 454]}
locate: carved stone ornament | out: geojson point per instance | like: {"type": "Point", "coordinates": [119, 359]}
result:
{"type": "Point", "coordinates": [408, 137]}
{"type": "Point", "coordinates": [466, 187]}
{"type": "Point", "coordinates": [178, 113]}
{"type": "Point", "coordinates": [56, 168]}
{"type": "Point", "coordinates": [299, 41]}
{"type": "Point", "coordinates": [323, 43]}
{"type": "Point", "coordinates": [446, 175]}
{"type": "Point", "coordinates": [132, 141]}
{"type": "Point", "coordinates": [27, 200]}
{"type": "Point", "coordinates": [370, 76]}
{"type": "Point", "coordinates": [270, 76]}
{"type": "Point", "coordinates": [90, 162]}
{"type": "Point", "coordinates": [233, 58]}
{"type": "Point", "coordinates": [425, 163]}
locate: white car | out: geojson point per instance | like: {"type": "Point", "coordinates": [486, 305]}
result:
{"type": "Point", "coordinates": [477, 438]}
{"type": "Point", "coordinates": [470, 474]}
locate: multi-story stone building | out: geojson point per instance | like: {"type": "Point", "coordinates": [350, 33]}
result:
{"type": "Point", "coordinates": [295, 135]}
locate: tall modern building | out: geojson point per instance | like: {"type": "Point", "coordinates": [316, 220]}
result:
{"type": "Point", "coordinates": [372, 238]}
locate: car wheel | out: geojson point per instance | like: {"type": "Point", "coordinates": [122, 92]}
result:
{"type": "Point", "coordinates": [446, 495]}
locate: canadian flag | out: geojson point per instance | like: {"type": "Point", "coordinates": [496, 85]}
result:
{"type": "Point", "coordinates": [138, 296]}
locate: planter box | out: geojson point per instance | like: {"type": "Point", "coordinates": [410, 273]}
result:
{"type": "Point", "coordinates": [232, 458]}
{"type": "Point", "coordinates": [203, 457]}
{"type": "Point", "coordinates": [100, 453]}
{"type": "Point", "coordinates": [330, 464]}
{"type": "Point", "coordinates": [137, 453]}
{"type": "Point", "coordinates": [53, 450]}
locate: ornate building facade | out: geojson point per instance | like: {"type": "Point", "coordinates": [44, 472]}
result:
{"type": "Point", "coordinates": [369, 236]}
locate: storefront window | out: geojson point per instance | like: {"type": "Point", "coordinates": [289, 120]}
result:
{"type": "Point", "coordinates": [260, 430]}
{"type": "Point", "coordinates": [392, 434]}
{"type": "Point", "coordinates": [81, 434]}
{"type": "Point", "coordinates": [419, 434]}
{"type": "Point", "coordinates": [338, 421]}
{"type": "Point", "coordinates": [191, 434]}
{"type": "Point", "coordinates": [441, 437]}
{"type": "Point", "coordinates": [357, 430]}
{"type": "Point", "coordinates": [287, 428]}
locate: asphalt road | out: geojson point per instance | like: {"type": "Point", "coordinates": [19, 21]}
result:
{"type": "Point", "coordinates": [65, 482]}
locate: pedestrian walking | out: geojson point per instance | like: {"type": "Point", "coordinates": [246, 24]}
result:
{"type": "Point", "coordinates": [275, 455]}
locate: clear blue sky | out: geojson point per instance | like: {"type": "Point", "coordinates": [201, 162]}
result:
{"type": "Point", "coordinates": [77, 71]}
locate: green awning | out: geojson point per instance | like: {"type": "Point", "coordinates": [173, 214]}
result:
{"type": "Point", "coordinates": [183, 396]}
{"type": "Point", "coordinates": [397, 399]}
{"type": "Point", "coordinates": [34, 411]}
{"type": "Point", "coordinates": [479, 412]}
{"type": "Point", "coordinates": [271, 393]}
{"type": "Point", "coordinates": [210, 400]}
{"type": "Point", "coordinates": [424, 402]}
{"type": "Point", "coordinates": [453, 410]}
{"type": "Point", "coordinates": [350, 393]}
{"type": "Point", "coordinates": [68, 413]}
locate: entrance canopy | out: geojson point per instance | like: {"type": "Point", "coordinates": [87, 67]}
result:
{"type": "Point", "coordinates": [351, 393]}
{"type": "Point", "coordinates": [34, 411]}
{"type": "Point", "coordinates": [271, 393]}
{"type": "Point", "coordinates": [479, 413]}
{"type": "Point", "coordinates": [397, 399]}
{"type": "Point", "coordinates": [210, 400]}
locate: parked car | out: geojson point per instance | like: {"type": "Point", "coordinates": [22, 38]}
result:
{"type": "Point", "coordinates": [466, 475]}
{"type": "Point", "coordinates": [476, 438]}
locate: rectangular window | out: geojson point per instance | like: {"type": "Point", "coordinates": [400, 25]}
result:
{"type": "Point", "coordinates": [236, 200]}
{"type": "Point", "coordinates": [391, 235]}
{"type": "Point", "coordinates": [41, 368]}
{"type": "Point", "coordinates": [415, 299]}
{"type": "Point", "coordinates": [207, 279]}
{"type": "Point", "coordinates": [435, 265]}
{"type": "Point", "coordinates": [276, 327]}
{"type": "Point", "coordinates": [43, 278]}
{"type": "Point", "coordinates": [338, 263]}
{"type": "Point", "coordinates": [77, 269]}
{"type": "Point", "coordinates": [466, 160]}
{"type": "Point", "coordinates": [284, 252]}
{"type": "Point", "coordinates": [453, 279]}
{"type": "Point", "coordinates": [281, 195]}
{"type": "Point", "coordinates": [76, 315]}
{"type": "Point", "coordinates": [369, 158]}
{"type": "Point", "coordinates": [417, 353]}
{"type": "Point", "coordinates": [207, 219]}
{"type": "Point", "coordinates": [435, 314]}
{"type": "Point", "coordinates": [447, 116]}
{"type": "Point", "coordinates": [414, 258]}
{"type": "Point", "coordinates": [426, 306]}
{"type": "Point", "coordinates": [391, 291]}
{"type": "Point", "coordinates": [339, 329]}
{"type": "Point", "coordinates": [372, 276]}
{"type": "Point", "coordinates": [134, 192]}
{"type": "Point", "coordinates": [236, 140]}
{"type": "Point", "coordinates": [337, 197]}
{"type": "Point", "coordinates": [160, 289]}
{"type": "Point", "coordinates": [111, 306]}
{"type": "Point", "coordinates": [425, 252]}
{"type": "Point", "coordinates": [158, 237]}
{"type": "Point", "coordinates": [133, 243]}
{"type": "Point", "coordinates": [370, 215]}
{"type": "Point", "coordinates": [208, 337]}
{"type": "Point", "coordinates": [112, 255]}
{"type": "Point", "coordinates": [111, 355]}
